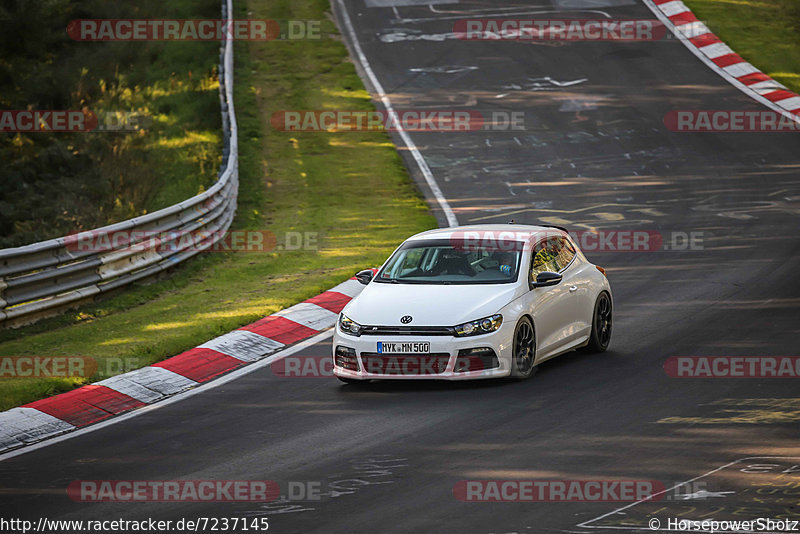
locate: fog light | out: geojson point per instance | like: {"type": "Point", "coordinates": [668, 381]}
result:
{"type": "Point", "coordinates": [346, 358]}
{"type": "Point", "coordinates": [477, 359]}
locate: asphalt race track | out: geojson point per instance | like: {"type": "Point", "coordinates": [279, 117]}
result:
{"type": "Point", "coordinates": [595, 153]}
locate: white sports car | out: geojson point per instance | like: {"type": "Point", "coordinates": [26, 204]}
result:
{"type": "Point", "coordinates": [473, 302]}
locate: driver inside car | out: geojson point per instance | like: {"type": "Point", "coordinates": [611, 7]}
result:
{"type": "Point", "coordinates": [505, 262]}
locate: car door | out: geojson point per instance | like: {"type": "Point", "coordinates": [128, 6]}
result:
{"type": "Point", "coordinates": [554, 307]}
{"type": "Point", "coordinates": [576, 282]}
{"type": "Point", "coordinates": [581, 283]}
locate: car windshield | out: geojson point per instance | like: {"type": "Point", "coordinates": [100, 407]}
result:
{"type": "Point", "coordinates": [443, 262]}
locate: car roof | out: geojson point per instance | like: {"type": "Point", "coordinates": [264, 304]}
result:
{"type": "Point", "coordinates": [519, 232]}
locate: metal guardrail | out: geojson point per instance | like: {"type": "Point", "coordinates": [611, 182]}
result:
{"type": "Point", "coordinates": [38, 279]}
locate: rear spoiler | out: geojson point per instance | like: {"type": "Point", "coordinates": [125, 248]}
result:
{"type": "Point", "coordinates": [546, 226]}
{"type": "Point", "coordinates": [554, 226]}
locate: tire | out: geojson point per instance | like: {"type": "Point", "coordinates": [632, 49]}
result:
{"type": "Point", "coordinates": [524, 356]}
{"type": "Point", "coordinates": [602, 322]}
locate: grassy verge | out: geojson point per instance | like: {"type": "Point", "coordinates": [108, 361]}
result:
{"type": "Point", "coordinates": [117, 171]}
{"type": "Point", "coordinates": [349, 189]}
{"type": "Point", "coordinates": [764, 32]}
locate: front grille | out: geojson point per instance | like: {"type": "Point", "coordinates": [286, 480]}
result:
{"type": "Point", "coordinates": [408, 331]}
{"type": "Point", "coordinates": [405, 364]}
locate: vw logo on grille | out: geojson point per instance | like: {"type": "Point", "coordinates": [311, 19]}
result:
{"type": "Point", "coordinates": [406, 319]}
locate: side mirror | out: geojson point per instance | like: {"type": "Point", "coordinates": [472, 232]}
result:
{"type": "Point", "coordinates": [365, 276]}
{"type": "Point", "coordinates": [545, 279]}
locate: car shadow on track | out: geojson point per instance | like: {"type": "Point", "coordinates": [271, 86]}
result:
{"type": "Point", "coordinates": [563, 362]}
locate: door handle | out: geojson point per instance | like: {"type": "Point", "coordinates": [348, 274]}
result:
{"type": "Point", "coordinates": [573, 289]}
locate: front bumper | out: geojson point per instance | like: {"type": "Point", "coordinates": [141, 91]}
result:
{"type": "Point", "coordinates": [373, 365]}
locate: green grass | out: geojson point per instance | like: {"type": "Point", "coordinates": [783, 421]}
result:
{"type": "Point", "coordinates": [349, 188]}
{"type": "Point", "coordinates": [103, 176]}
{"type": "Point", "coordinates": [764, 32]}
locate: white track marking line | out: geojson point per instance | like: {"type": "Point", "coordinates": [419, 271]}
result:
{"type": "Point", "coordinates": [499, 15]}
{"type": "Point", "coordinates": [479, 10]}
{"type": "Point", "coordinates": [175, 398]}
{"type": "Point", "coordinates": [585, 524]}
{"type": "Point", "coordinates": [450, 216]}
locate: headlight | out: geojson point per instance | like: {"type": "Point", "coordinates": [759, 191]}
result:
{"type": "Point", "coordinates": [481, 326]}
{"type": "Point", "coordinates": [349, 326]}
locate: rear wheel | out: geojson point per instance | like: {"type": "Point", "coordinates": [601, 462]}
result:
{"type": "Point", "coordinates": [524, 349]}
{"type": "Point", "coordinates": [601, 324]}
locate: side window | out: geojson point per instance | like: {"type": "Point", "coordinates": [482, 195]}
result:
{"type": "Point", "coordinates": [545, 255]}
{"type": "Point", "coordinates": [553, 254]}
{"type": "Point", "coordinates": [565, 255]}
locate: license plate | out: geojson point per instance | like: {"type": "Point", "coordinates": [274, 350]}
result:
{"type": "Point", "coordinates": [411, 347]}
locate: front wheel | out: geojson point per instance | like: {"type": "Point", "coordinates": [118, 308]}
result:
{"type": "Point", "coordinates": [601, 324]}
{"type": "Point", "coordinates": [522, 365]}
